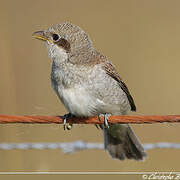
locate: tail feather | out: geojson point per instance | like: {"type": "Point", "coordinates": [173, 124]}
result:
{"type": "Point", "coordinates": [121, 143]}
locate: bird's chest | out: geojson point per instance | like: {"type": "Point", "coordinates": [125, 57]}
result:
{"type": "Point", "coordinates": [62, 76]}
{"type": "Point", "coordinates": [70, 86]}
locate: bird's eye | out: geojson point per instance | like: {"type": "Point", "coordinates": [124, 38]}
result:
{"type": "Point", "coordinates": [55, 37]}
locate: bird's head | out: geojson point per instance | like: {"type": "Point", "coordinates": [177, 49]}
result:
{"type": "Point", "coordinates": [65, 40]}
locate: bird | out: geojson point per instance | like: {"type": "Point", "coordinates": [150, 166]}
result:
{"type": "Point", "coordinates": [88, 84]}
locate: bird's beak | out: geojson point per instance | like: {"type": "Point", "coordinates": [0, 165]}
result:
{"type": "Point", "coordinates": [41, 35]}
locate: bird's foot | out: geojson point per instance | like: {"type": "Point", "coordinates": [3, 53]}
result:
{"type": "Point", "coordinates": [65, 125]}
{"type": "Point", "coordinates": [106, 119]}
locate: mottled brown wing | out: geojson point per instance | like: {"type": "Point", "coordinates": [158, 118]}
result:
{"type": "Point", "coordinates": [110, 70]}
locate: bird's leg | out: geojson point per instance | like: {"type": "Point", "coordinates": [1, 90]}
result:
{"type": "Point", "coordinates": [65, 125]}
{"type": "Point", "coordinates": [106, 119]}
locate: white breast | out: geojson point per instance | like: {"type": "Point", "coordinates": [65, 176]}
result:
{"type": "Point", "coordinates": [78, 101]}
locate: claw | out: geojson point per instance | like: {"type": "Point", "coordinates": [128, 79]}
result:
{"type": "Point", "coordinates": [69, 126]}
{"type": "Point", "coordinates": [106, 118]}
{"type": "Point", "coordinates": [100, 116]}
{"type": "Point", "coordinates": [98, 126]}
{"type": "Point", "coordinates": [65, 125]}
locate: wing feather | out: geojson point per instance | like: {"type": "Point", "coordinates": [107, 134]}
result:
{"type": "Point", "coordinates": [111, 71]}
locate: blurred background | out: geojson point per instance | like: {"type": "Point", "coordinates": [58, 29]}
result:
{"type": "Point", "coordinates": [142, 38]}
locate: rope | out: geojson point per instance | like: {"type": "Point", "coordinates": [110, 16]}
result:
{"type": "Point", "coordinates": [90, 120]}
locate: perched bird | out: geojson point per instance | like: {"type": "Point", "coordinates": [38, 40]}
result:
{"type": "Point", "coordinates": [88, 84]}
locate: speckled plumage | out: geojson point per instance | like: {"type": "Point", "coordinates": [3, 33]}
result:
{"type": "Point", "coordinates": [103, 94]}
{"type": "Point", "coordinates": [88, 85]}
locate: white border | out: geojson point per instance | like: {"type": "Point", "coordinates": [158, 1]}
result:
{"type": "Point", "coordinates": [86, 173]}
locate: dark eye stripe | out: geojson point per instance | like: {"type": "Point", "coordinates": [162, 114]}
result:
{"type": "Point", "coordinates": [64, 44]}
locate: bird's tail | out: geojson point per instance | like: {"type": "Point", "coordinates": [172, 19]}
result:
{"type": "Point", "coordinates": [121, 142]}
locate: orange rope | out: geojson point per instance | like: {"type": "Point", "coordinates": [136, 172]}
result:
{"type": "Point", "coordinates": [7, 119]}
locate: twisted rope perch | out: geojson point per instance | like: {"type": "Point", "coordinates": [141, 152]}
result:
{"type": "Point", "coordinates": [8, 119]}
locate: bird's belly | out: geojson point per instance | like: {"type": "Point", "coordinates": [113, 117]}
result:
{"type": "Point", "coordinates": [78, 101]}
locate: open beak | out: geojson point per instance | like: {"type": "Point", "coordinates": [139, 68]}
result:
{"type": "Point", "coordinates": [41, 35]}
